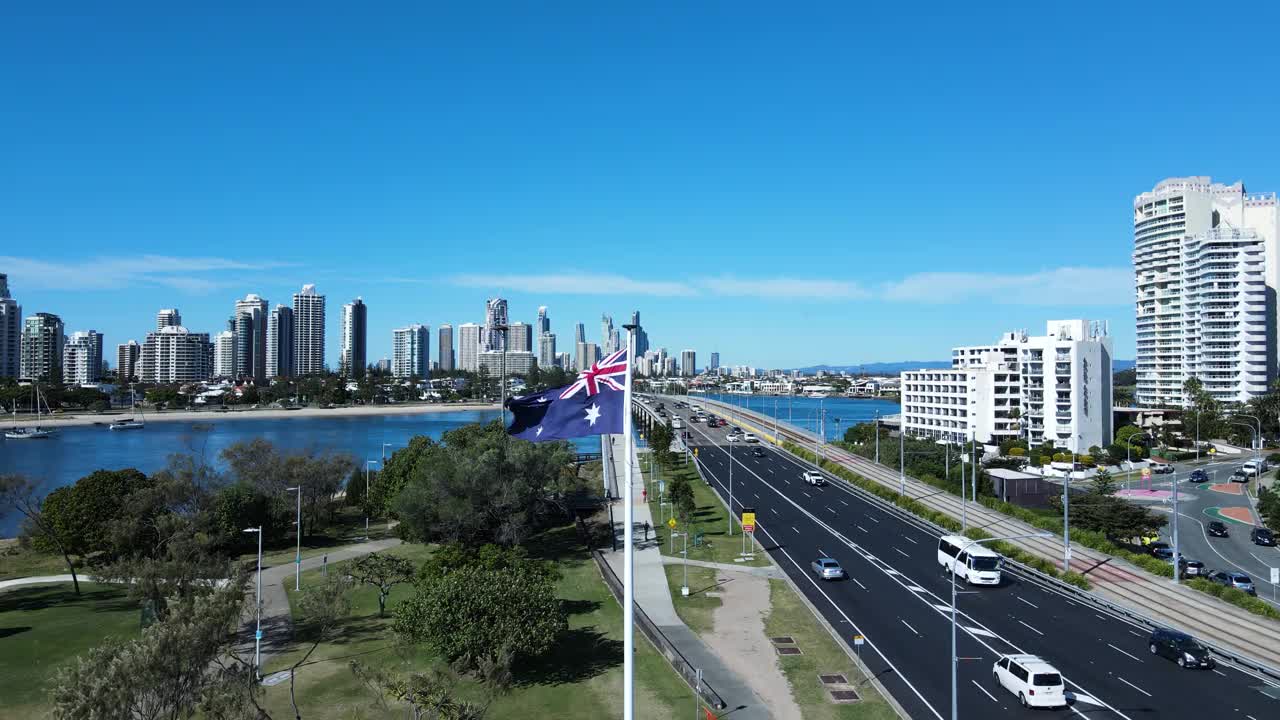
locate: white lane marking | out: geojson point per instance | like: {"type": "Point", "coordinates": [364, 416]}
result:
{"type": "Point", "coordinates": [774, 510]}
{"type": "Point", "coordinates": [945, 609]}
{"type": "Point", "coordinates": [902, 553]}
{"type": "Point", "coordinates": [915, 588]}
{"type": "Point", "coordinates": [904, 537]}
{"type": "Point", "coordinates": [1220, 673]}
{"type": "Point", "coordinates": [1028, 602]}
{"type": "Point", "coordinates": [1099, 616]}
{"type": "Point", "coordinates": [984, 692]}
{"type": "Point", "coordinates": [864, 587]}
{"type": "Point", "coordinates": [1135, 634]}
{"type": "Point", "coordinates": [755, 496]}
{"type": "Point", "coordinates": [806, 494]}
{"type": "Point", "coordinates": [844, 503]}
{"type": "Point", "coordinates": [1113, 647]}
{"type": "Point", "coordinates": [979, 631]}
{"type": "Point", "coordinates": [833, 512]}
{"type": "Point", "coordinates": [861, 528]}
{"type": "Point", "coordinates": [793, 529]}
{"type": "Point", "coordinates": [904, 622]}
{"type": "Point", "coordinates": [1135, 687]}
{"type": "Point", "coordinates": [770, 471]}
{"type": "Point", "coordinates": [1031, 628]}
{"type": "Point", "coordinates": [822, 553]}
{"type": "Point", "coordinates": [872, 519]}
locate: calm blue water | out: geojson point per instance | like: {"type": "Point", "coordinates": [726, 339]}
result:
{"type": "Point", "coordinates": [75, 452]}
{"type": "Point", "coordinates": [802, 412]}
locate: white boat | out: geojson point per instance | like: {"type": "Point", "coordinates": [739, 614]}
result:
{"type": "Point", "coordinates": [130, 423]}
{"type": "Point", "coordinates": [29, 433]}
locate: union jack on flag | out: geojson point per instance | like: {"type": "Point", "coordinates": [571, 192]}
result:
{"type": "Point", "coordinates": [600, 373]}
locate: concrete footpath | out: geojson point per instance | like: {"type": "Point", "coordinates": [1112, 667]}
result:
{"type": "Point", "coordinates": [653, 595]}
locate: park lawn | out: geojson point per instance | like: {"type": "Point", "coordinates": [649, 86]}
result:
{"type": "Point", "coordinates": [710, 519]}
{"type": "Point", "coordinates": [347, 529]}
{"type": "Point", "coordinates": [698, 609]}
{"type": "Point", "coordinates": [43, 627]}
{"type": "Point", "coordinates": [581, 678]}
{"type": "Point", "coordinates": [19, 562]}
{"type": "Point", "coordinates": [788, 615]}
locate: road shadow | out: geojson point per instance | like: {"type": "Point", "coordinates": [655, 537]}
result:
{"type": "Point", "coordinates": [579, 654]}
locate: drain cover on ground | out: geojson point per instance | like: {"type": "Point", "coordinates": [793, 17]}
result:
{"type": "Point", "coordinates": [844, 696]}
{"type": "Point", "coordinates": [783, 640]}
{"type": "Point", "coordinates": [833, 679]}
{"type": "Point", "coordinates": [789, 651]}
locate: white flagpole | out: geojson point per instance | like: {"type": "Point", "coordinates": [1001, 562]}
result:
{"type": "Point", "coordinates": [628, 560]}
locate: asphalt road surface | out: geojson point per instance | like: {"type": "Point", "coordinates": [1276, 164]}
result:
{"type": "Point", "coordinates": [898, 597]}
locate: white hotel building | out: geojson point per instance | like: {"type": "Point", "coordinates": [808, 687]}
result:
{"type": "Point", "coordinates": [1054, 387]}
{"type": "Point", "coordinates": [1205, 262]}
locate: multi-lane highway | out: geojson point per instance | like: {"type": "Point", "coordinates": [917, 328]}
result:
{"type": "Point", "coordinates": [898, 598]}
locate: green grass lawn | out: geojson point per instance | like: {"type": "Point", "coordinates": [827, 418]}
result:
{"type": "Point", "coordinates": [43, 627]}
{"type": "Point", "coordinates": [18, 562]}
{"type": "Point", "coordinates": [788, 615]}
{"type": "Point", "coordinates": [696, 610]}
{"type": "Point", "coordinates": [581, 678]}
{"type": "Point", "coordinates": [347, 529]}
{"type": "Point", "coordinates": [710, 519]}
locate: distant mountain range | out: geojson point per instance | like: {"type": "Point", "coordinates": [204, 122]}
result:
{"type": "Point", "coordinates": [893, 368]}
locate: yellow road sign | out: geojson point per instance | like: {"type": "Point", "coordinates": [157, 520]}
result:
{"type": "Point", "coordinates": [748, 520]}
{"type": "Point", "coordinates": [671, 523]}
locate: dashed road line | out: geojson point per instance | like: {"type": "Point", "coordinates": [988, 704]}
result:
{"type": "Point", "coordinates": [861, 528]}
{"type": "Point", "coordinates": [1032, 629]}
{"type": "Point", "coordinates": [1028, 602]}
{"type": "Point", "coordinates": [844, 503]}
{"type": "Point", "coordinates": [1113, 647]}
{"type": "Point", "coordinates": [902, 553]}
{"type": "Point", "coordinates": [904, 622]}
{"type": "Point", "coordinates": [1135, 687]}
{"type": "Point", "coordinates": [794, 530]}
{"type": "Point", "coordinates": [984, 692]}
{"type": "Point", "coordinates": [908, 539]}
{"type": "Point", "coordinates": [864, 587]}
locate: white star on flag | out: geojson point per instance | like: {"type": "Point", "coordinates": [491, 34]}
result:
{"type": "Point", "coordinates": [593, 414]}
{"type": "Point", "coordinates": [539, 430]}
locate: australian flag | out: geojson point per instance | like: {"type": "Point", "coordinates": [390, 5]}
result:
{"type": "Point", "coordinates": [591, 405]}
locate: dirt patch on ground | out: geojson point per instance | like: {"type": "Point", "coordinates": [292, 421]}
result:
{"type": "Point", "coordinates": [739, 640]}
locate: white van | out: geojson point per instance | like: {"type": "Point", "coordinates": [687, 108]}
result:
{"type": "Point", "coordinates": [1254, 467]}
{"type": "Point", "coordinates": [978, 565]}
{"type": "Point", "coordinates": [677, 424]}
{"type": "Point", "coordinates": [1034, 681]}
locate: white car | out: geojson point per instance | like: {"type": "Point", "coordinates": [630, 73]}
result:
{"type": "Point", "coordinates": [750, 438]}
{"type": "Point", "coordinates": [1034, 681]}
{"type": "Point", "coordinates": [733, 437]}
{"type": "Point", "coordinates": [814, 478]}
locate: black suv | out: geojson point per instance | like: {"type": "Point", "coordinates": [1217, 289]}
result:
{"type": "Point", "coordinates": [1198, 476]}
{"type": "Point", "coordinates": [1181, 648]}
{"type": "Point", "coordinates": [757, 452]}
{"type": "Point", "coordinates": [1262, 536]}
{"type": "Point", "coordinates": [1217, 528]}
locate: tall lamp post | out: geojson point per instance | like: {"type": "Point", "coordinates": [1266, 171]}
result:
{"type": "Point", "coordinates": [297, 555]}
{"type": "Point", "coordinates": [1257, 438]}
{"type": "Point", "coordinates": [367, 463]}
{"type": "Point", "coordinates": [955, 660]}
{"type": "Point", "coordinates": [384, 451]}
{"type": "Point", "coordinates": [257, 602]}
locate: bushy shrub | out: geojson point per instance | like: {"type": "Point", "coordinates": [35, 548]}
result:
{"type": "Point", "coordinates": [1061, 457]}
{"type": "Point", "coordinates": [1017, 452]}
{"type": "Point", "coordinates": [1086, 459]}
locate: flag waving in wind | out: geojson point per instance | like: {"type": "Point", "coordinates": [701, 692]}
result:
{"type": "Point", "coordinates": [591, 405]}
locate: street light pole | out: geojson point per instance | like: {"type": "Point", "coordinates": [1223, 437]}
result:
{"type": "Point", "coordinates": [297, 556]}
{"type": "Point", "coordinates": [367, 463]}
{"type": "Point", "coordinates": [877, 437]}
{"type": "Point", "coordinates": [955, 660]}
{"type": "Point", "coordinates": [902, 456]}
{"type": "Point", "coordinates": [1177, 556]}
{"type": "Point", "coordinates": [257, 631]}
{"type": "Point", "coordinates": [730, 518]}
{"type": "Point", "coordinates": [384, 451]}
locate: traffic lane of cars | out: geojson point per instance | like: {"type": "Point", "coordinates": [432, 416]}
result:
{"type": "Point", "coordinates": [1127, 675]}
{"type": "Point", "coordinates": [912, 659]}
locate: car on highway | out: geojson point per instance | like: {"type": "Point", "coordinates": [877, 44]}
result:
{"type": "Point", "coordinates": [1254, 467]}
{"type": "Point", "coordinates": [1192, 568]}
{"type": "Point", "coordinates": [827, 569]}
{"type": "Point", "coordinates": [1262, 536]}
{"type": "Point", "coordinates": [748, 437]}
{"type": "Point", "coordinates": [1237, 580]}
{"type": "Point", "coordinates": [1034, 681]}
{"type": "Point", "coordinates": [1181, 648]}
{"type": "Point", "coordinates": [1217, 528]}
{"type": "Point", "coordinates": [1160, 468]}
{"type": "Point", "coordinates": [1240, 476]}
{"type": "Point", "coordinates": [733, 437]}
{"type": "Point", "coordinates": [975, 564]}
{"type": "Point", "coordinates": [1198, 476]}
{"type": "Point", "coordinates": [1160, 550]}
{"type": "Point", "coordinates": [812, 477]}
{"type": "Point", "coordinates": [757, 452]}
{"type": "Point", "coordinates": [695, 418]}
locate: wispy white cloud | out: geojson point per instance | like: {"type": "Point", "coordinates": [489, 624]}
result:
{"type": "Point", "coordinates": [194, 275]}
{"type": "Point", "coordinates": [576, 284]}
{"type": "Point", "coordinates": [1060, 286]}
{"type": "Point", "coordinates": [783, 287]}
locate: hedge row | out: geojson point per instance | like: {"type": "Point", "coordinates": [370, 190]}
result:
{"type": "Point", "coordinates": [1235, 596]}
{"type": "Point", "coordinates": [919, 509]}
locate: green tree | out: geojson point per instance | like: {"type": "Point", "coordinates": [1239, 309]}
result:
{"type": "Point", "coordinates": [660, 439]}
{"type": "Point", "coordinates": [19, 493]}
{"type": "Point", "coordinates": [183, 667]}
{"type": "Point", "coordinates": [498, 558]}
{"type": "Point", "coordinates": [1112, 516]}
{"type": "Point", "coordinates": [383, 572]}
{"type": "Point", "coordinates": [428, 695]}
{"type": "Point", "coordinates": [1103, 483]}
{"type": "Point", "coordinates": [83, 512]}
{"type": "Point", "coordinates": [681, 492]}
{"type": "Point", "coordinates": [479, 485]}
{"type": "Point", "coordinates": [473, 616]}
{"type": "Point", "coordinates": [1269, 507]}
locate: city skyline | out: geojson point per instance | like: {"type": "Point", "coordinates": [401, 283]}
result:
{"type": "Point", "coordinates": [957, 204]}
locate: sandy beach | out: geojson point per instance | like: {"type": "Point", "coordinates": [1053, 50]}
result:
{"type": "Point", "coordinates": [72, 420]}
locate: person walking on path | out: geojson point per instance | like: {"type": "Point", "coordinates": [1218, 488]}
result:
{"type": "Point", "coordinates": [646, 530]}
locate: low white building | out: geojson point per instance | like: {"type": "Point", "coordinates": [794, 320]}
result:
{"type": "Point", "coordinates": [1054, 387]}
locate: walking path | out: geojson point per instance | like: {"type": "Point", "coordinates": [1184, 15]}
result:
{"type": "Point", "coordinates": [653, 595]}
{"type": "Point", "coordinates": [277, 620]}
{"type": "Point", "coordinates": [1114, 579]}
{"type": "Point", "coordinates": [769, 572]}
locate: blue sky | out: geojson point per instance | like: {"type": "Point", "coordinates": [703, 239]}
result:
{"type": "Point", "coordinates": [832, 184]}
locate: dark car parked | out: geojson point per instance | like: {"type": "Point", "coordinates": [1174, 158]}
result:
{"type": "Point", "coordinates": [1181, 648]}
{"type": "Point", "coordinates": [1199, 476]}
{"type": "Point", "coordinates": [1217, 528]}
{"type": "Point", "coordinates": [1262, 536]}
{"type": "Point", "coordinates": [1161, 550]}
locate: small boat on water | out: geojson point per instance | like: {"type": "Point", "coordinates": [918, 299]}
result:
{"type": "Point", "coordinates": [29, 433]}
{"type": "Point", "coordinates": [128, 424]}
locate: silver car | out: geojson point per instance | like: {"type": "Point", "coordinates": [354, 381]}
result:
{"type": "Point", "coordinates": [827, 569]}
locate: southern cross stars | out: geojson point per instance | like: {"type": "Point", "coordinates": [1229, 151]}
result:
{"type": "Point", "coordinates": [593, 414]}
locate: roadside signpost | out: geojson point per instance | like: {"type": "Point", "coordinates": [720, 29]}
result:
{"type": "Point", "coordinates": [858, 641]}
{"type": "Point", "coordinates": [1275, 580]}
{"type": "Point", "coordinates": [748, 528]}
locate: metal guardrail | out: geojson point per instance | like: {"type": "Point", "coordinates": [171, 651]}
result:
{"type": "Point", "coordinates": [1048, 581]}
{"type": "Point", "coordinates": [678, 662]}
